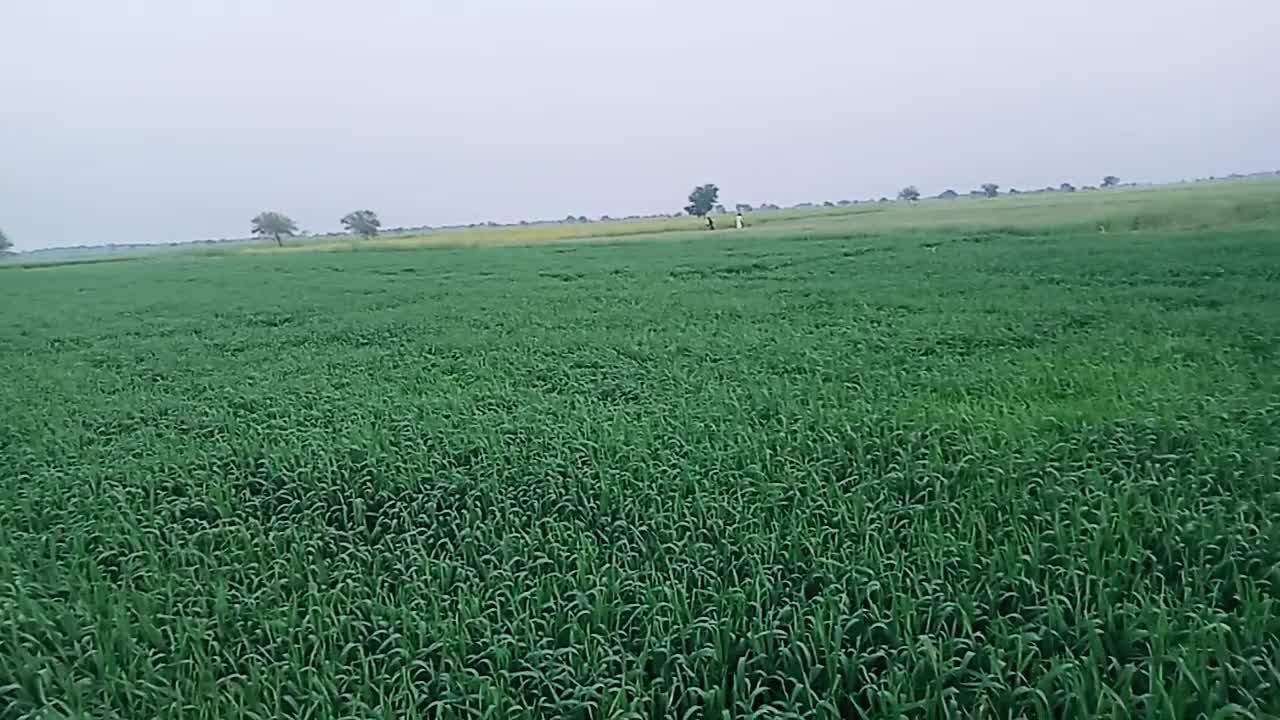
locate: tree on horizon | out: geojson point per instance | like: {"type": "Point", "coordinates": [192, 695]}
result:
{"type": "Point", "coordinates": [703, 200]}
{"type": "Point", "coordinates": [364, 223]}
{"type": "Point", "coordinates": [274, 225]}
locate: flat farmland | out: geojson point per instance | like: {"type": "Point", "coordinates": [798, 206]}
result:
{"type": "Point", "coordinates": [1001, 460]}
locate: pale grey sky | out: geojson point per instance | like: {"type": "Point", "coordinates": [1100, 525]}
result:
{"type": "Point", "coordinates": [164, 120]}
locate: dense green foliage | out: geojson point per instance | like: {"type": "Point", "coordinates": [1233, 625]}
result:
{"type": "Point", "coordinates": [364, 223]}
{"type": "Point", "coordinates": [273, 225]}
{"type": "Point", "coordinates": [702, 200]}
{"type": "Point", "coordinates": [990, 473]}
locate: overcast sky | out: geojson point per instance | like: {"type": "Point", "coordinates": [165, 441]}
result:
{"type": "Point", "coordinates": [170, 120]}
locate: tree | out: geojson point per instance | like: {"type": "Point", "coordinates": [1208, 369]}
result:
{"type": "Point", "coordinates": [948, 195]}
{"type": "Point", "coordinates": [1110, 181]}
{"type": "Point", "coordinates": [364, 223]}
{"type": "Point", "coordinates": [1067, 187]}
{"type": "Point", "coordinates": [909, 193]}
{"type": "Point", "coordinates": [274, 224]}
{"type": "Point", "coordinates": [702, 200]}
{"type": "Point", "coordinates": [990, 189]}
{"type": "Point", "coordinates": [5, 245]}
{"type": "Point", "coordinates": [742, 207]}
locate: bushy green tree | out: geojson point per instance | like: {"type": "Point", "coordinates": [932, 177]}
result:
{"type": "Point", "coordinates": [274, 225]}
{"type": "Point", "coordinates": [702, 200]}
{"type": "Point", "coordinates": [364, 223]}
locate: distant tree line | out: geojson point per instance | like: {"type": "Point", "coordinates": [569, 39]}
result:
{"type": "Point", "coordinates": [277, 225]}
{"type": "Point", "coordinates": [990, 190]}
{"type": "Point", "coordinates": [703, 200]}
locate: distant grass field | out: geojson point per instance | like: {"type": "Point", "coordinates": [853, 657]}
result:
{"type": "Point", "coordinates": [1178, 207]}
{"type": "Point", "coordinates": [1006, 459]}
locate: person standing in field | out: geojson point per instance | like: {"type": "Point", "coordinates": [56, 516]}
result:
{"type": "Point", "coordinates": [739, 222]}
{"type": "Point", "coordinates": [711, 222]}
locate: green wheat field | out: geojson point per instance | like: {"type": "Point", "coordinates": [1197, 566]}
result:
{"type": "Point", "coordinates": [998, 459]}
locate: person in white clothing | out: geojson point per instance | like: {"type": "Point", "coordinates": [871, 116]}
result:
{"type": "Point", "coordinates": [739, 221]}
